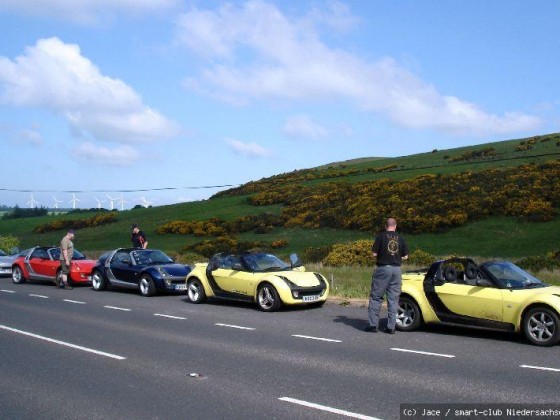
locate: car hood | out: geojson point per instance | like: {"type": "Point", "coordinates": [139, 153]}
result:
{"type": "Point", "coordinates": [176, 269]}
{"type": "Point", "coordinates": [7, 260]}
{"type": "Point", "coordinates": [299, 278]}
{"type": "Point", "coordinates": [84, 264]}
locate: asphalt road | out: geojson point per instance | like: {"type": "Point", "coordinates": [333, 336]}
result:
{"type": "Point", "coordinates": [80, 354]}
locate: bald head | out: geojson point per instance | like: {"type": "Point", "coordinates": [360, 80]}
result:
{"type": "Point", "coordinates": [391, 224]}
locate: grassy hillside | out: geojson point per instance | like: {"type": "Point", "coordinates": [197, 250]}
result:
{"type": "Point", "coordinates": [489, 236]}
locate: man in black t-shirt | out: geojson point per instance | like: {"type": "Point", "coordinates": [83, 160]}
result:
{"type": "Point", "coordinates": [390, 249]}
{"type": "Point", "coordinates": [138, 238]}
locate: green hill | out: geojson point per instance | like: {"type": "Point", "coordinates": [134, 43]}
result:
{"type": "Point", "coordinates": [497, 199]}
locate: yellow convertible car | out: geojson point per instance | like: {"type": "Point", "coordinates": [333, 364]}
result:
{"type": "Point", "coordinates": [256, 277]}
{"type": "Point", "coordinates": [494, 295]}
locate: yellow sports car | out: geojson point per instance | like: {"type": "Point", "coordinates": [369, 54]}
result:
{"type": "Point", "coordinates": [256, 277]}
{"type": "Point", "coordinates": [494, 295]}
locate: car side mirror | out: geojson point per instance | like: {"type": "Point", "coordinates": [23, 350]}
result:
{"type": "Point", "coordinates": [126, 261]}
{"type": "Point", "coordinates": [295, 261]}
{"type": "Point", "coordinates": [484, 283]}
{"type": "Point", "coordinates": [237, 267]}
{"type": "Point", "coordinates": [214, 266]}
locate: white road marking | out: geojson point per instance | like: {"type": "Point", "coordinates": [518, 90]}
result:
{"type": "Point", "coordinates": [117, 308]}
{"type": "Point", "coordinates": [170, 316]}
{"type": "Point", "coordinates": [7, 291]}
{"type": "Point", "coordinates": [63, 343]}
{"type": "Point", "coordinates": [427, 353]}
{"type": "Point", "coordinates": [74, 301]}
{"type": "Point", "coordinates": [329, 409]}
{"type": "Point", "coordinates": [235, 326]}
{"type": "Point", "coordinates": [540, 368]}
{"type": "Point", "coordinates": [317, 338]}
{"type": "Point", "coordinates": [38, 296]}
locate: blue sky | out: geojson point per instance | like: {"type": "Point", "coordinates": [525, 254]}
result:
{"type": "Point", "coordinates": [111, 97]}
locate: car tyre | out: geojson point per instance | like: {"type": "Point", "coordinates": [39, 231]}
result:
{"type": "Point", "coordinates": [409, 317]}
{"type": "Point", "coordinates": [541, 326]}
{"type": "Point", "coordinates": [98, 281]}
{"type": "Point", "coordinates": [268, 298]}
{"type": "Point", "coordinates": [195, 291]}
{"type": "Point", "coordinates": [17, 275]}
{"type": "Point", "coordinates": [147, 286]}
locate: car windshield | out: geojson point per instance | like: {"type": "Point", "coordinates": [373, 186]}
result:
{"type": "Point", "coordinates": [512, 276]}
{"type": "Point", "coordinates": [264, 262]}
{"type": "Point", "coordinates": [149, 257]}
{"type": "Point", "coordinates": [2, 253]}
{"type": "Point", "coordinates": [77, 255]}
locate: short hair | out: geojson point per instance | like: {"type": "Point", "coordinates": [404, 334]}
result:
{"type": "Point", "coordinates": [391, 222]}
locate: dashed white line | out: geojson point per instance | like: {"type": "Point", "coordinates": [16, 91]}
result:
{"type": "Point", "coordinates": [63, 343]}
{"type": "Point", "coordinates": [74, 301]}
{"type": "Point", "coordinates": [170, 316]}
{"type": "Point", "coordinates": [38, 296]}
{"type": "Point", "coordinates": [117, 308]}
{"type": "Point", "coordinates": [426, 353]}
{"type": "Point", "coordinates": [317, 338]}
{"type": "Point", "coordinates": [7, 291]}
{"type": "Point", "coordinates": [235, 326]}
{"type": "Point", "coordinates": [326, 408]}
{"type": "Point", "coordinates": [539, 368]}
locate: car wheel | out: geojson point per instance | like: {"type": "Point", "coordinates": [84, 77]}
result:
{"type": "Point", "coordinates": [409, 317]}
{"type": "Point", "coordinates": [17, 275]}
{"type": "Point", "coordinates": [147, 286]}
{"type": "Point", "coordinates": [541, 326]}
{"type": "Point", "coordinates": [98, 281]}
{"type": "Point", "coordinates": [267, 298]}
{"type": "Point", "coordinates": [195, 291]}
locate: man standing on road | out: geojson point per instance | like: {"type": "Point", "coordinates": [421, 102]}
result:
{"type": "Point", "coordinates": [66, 254]}
{"type": "Point", "coordinates": [138, 238]}
{"type": "Point", "coordinates": [390, 249]}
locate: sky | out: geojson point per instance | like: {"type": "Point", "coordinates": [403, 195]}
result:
{"type": "Point", "coordinates": [166, 101]}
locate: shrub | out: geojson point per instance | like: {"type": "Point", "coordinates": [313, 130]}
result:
{"type": "Point", "coordinates": [421, 258]}
{"type": "Point", "coordinates": [8, 242]}
{"type": "Point", "coordinates": [537, 263]}
{"type": "Point", "coordinates": [354, 253]}
{"type": "Point", "coordinates": [316, 255]}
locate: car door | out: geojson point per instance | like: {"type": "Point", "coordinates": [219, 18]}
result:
{"type": "Point", "coordinates": [40, 264]}
{"type": "Point", "coordinates": [231, 276]}
{"type": "Point", "coordinates": [123, 268]}
{"type": "Point", "coordinates": [464, 300]}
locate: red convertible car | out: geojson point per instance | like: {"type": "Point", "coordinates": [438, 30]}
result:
{"type": "Point", "coordinates": [43, 263]}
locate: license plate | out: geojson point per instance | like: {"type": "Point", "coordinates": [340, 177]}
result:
{"type": "Point", "coordinates": [180, 287]}
{"type": "Point", "coordinates": [310, 298]}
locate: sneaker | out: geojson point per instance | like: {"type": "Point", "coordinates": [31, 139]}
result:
{"type": "Point", "coordinates": [389, 331]}
{"type": "Point", "coordinates": [371, 329]}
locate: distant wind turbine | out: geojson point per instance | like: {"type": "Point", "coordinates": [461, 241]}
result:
{"type": "Point", "coordinates": [99, 202]}
{"type": "Point", "coordinates": [32, 203]}
{"type": "Point", "coordinates": [56, 201]}
{"type": "Point", "coordinates": [74, 200]}
{"type": "Point", "coordinates": [111, 201]}
{"type": "Point", "coordinates": [121, 202]}
{"type": "Point", "coordinates": [145, 203]}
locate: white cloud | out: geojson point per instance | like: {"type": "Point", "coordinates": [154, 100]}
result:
{"type": "Point", "coordinates": [119, 156]}
{"type": "Point", "coordinates": [84, 11]}
{"type": "Point", "coordinates": [301, 126]}
{"type": "Point", "coordinates": [256, 52]}
{"type": "Point", "coordinates": [248, 149]}
{"type": "Point", "coordinates": [30, 137]}
{"type": "Point", "coordinates": [56, 76]}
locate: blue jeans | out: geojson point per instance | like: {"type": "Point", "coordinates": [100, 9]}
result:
{"type": "Point", "coordinates": [386, 279]}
